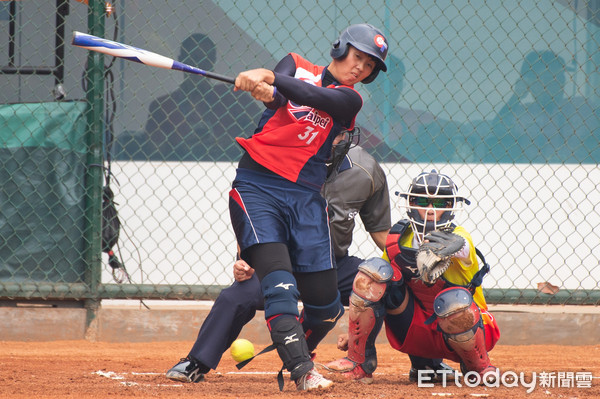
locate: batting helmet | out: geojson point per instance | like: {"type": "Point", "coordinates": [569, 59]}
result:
{"type": "Point", "coordinates": [366, 38]}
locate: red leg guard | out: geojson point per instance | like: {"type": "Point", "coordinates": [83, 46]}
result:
{"type": "Point", "coordinates": [365, 319]}
{"type": "Point", "coordinates": [464, 333]}
{"type": "Point", "coordinates": [366, 313]}
{"type": "Point", "coordinates": [361, 321]}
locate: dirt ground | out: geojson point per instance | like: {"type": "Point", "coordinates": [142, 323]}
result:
{"type": "Point", "coordinates": [83, 369]}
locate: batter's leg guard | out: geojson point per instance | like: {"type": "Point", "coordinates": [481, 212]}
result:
{"type": "Point", "coordinates": [460, 321]}
{"type": "Point", "coordinates": [288, 336]}
{"type": "Point", "coordinates": [281, 311]}
{"type": "Point", "coordinates": [366, 314]}
{"type": "Point", "coordinates": [317, 321]}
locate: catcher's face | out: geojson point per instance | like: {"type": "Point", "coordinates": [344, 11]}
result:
{"type": "Point", "coordinates": [429, 212]}
{"type": "Point", "coordinates": [431, 209]}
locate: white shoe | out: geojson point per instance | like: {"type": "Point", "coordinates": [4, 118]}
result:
{"type": "Point", "coordinates": [312, 380]}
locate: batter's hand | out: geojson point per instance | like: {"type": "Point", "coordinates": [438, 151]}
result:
{"type": "Point", "coordinates": [242, 271]}
{"type": "Point", "coordinates": [248, 80]}
{"type": "Point", "coordinates": [264, 92]}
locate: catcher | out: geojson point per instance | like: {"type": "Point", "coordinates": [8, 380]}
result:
{"type": "Point", "coordinates": [427, 287]}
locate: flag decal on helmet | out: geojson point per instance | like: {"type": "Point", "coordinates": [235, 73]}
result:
{"type": "Point", "coordinates": [380, 42]}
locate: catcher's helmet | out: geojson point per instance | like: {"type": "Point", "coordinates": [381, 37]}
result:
{"type": "Point", "coordinates": [366, 38]}
{"type": "Point", "coordinates": [431, 188]}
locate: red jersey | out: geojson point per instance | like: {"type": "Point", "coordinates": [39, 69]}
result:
{"type": "Point", "coordinates": [295, 140]}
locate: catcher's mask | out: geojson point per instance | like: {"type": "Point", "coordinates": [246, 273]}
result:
{"type": "Point", "coordinates": [340, 150]}
{"type": "Point", "coordinates": [439, 191]}
{"type": "Point", "coordinates": [366, 38]}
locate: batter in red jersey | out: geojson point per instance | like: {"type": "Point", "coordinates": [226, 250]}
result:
{"type": "Point", "coordinates": [277, 212]}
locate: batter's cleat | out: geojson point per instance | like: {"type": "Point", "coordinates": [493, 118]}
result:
{"type": "Point", "coordinates": [350, 370]}
{"type": "Point", "coordinates": [312, 380]}
{"type": "Point", "coordinates": [187, 370]}
{"type": "Point", "coordinates": [437, 376]}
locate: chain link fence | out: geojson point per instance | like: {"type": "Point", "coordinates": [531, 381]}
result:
{"type": "Point", "coordinates": [501, 96]}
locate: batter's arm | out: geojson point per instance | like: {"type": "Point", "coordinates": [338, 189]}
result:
{"type": "Point", "coordinates": [342, 103]}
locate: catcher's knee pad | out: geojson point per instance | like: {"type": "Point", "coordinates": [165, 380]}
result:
{"type": "Point", "coordinates": [454, 309]}
{"type": "Point", "coordinates": [288, 337]}
{"type": "Point", "coordinates": [459, 319]}
{"type": "Point", "coordinates": [317, 321]}
{"type": "Point", "coordinates": [281, 293]}
{"type": "Point", "coordinates": [375, 273]}
{"type": "Point", "coordinates": [366, 311]}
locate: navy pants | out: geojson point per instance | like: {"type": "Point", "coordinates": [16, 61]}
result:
{"type": "Point", "coordinates": [237, 304]}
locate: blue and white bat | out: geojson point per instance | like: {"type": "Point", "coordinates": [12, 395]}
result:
{"type": "Point", "coordinates": [142, 56]}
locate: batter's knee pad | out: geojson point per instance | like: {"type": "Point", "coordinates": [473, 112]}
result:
{"type": "Point", "coordinates": [288, 337]}
{"type": "Point", "coordinates": [281, 293]}
{"type": "Point", "coordinates": [317, 321]}
{"type": "Point", "coordinates": [366, 311]}
{"type": "Point", "coordinates": [459, 320]}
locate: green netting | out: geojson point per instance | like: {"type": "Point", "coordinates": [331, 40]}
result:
{"type": "Point", "coordinates": [502, 96]}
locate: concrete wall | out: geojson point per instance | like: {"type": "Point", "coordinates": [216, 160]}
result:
{"type": "Point", "coordinates": [520, 325]}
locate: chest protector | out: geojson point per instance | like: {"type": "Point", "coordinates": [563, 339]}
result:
{"type": "Point", "coordinates": [404, 263]}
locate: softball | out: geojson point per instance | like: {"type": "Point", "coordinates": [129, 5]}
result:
{"type": "Point", "coordinates": [242, 349]}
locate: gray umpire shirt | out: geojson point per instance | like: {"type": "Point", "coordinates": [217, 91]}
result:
{"type": "Point", "coordinates": [359, 188]}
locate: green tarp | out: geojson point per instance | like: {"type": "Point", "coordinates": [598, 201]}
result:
{"type": "Point", "coordinates": [42, 170]}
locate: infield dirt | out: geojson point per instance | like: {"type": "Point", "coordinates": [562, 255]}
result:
{"type": "Point", "coordinates": [84, 369]}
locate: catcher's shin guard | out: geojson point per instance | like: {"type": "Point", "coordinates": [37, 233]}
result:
{"type": "Point", "coordinates": [366, 311]}
{"type": "Point", "coordinates": [317, 321]}
{"type": "Point", "coordinates": [460, 320]}
{"type": "Point", "coordinates": [288, 337]}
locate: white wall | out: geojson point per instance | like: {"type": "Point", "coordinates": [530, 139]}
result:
{"type": "Point", "coordinates": [534, 223]}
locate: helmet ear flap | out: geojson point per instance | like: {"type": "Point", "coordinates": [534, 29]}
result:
{"type": "Point", "coordinates": [337, 51]}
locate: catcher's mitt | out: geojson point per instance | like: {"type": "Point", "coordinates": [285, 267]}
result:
{"type": "Point", "coordinates": [434, 254]}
